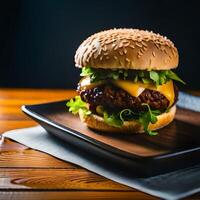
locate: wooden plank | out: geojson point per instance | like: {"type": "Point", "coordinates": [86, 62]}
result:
{"type": "Point", "coordinates": [19, 102]}
{"type": "Point", "coordinates": [73, 195]}
{"type": "Point", "coordinates": [11, 102]}
{"type": "Point", "coordinates": [49, 94]}
{"type": "Point", "coordinates": [17, 116]}
{"type": "Point", "coordinates": [31, 159]}
{"type": "Point", "coordinates": [15, 155]}
{"type": "Point", "coordinates": [6, 125]}
{"type": "Point", "coordinates": [56, 179]}
{"type": "Point", "coordinates": [7, 145]}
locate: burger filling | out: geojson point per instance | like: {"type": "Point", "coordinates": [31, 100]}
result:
{"type": "Point", "coordinates": [115, 99]}
{"type": "Point", "coordinates": [125, 95]}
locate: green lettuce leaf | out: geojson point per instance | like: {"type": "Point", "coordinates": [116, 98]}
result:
{"type": "Point", "coordinates": [171, 75]}
{"type": "Point", "coordinates": [148, 117]}
{"type": "Point", "coordinates": [86, 71]}
{"type": "Point", "coordinates": [77, 104]}
{"type": "Point", "coordinates": [127, 115]}
{"type": "Point", "coordinates": [161, 77]}
{"type": "Point", "coordinates": [155, 77]}
{"type": "Point", "coordinates": [112, 120]}
{"type": "Point", "coordinates": [145, 118]}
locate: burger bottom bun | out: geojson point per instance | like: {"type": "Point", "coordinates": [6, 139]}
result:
{"type": "Point", "coordinates": [97, 123]}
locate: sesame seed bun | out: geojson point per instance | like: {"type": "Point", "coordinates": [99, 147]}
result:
{"type": "Point", "coordinates": [127, 49]}
{"type": "Point", "coordinates": [97, 123]}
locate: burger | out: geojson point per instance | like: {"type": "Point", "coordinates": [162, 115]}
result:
{"type": "Point", "coordinates": [127, 83]}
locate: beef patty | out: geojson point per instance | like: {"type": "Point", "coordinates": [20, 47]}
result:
{"type": "Point", "coordinates": [114, 98]}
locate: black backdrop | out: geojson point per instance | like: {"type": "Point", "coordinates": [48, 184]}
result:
{"type": "Point", "coordinates": [38, 38]}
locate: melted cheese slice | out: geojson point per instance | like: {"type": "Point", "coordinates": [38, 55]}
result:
{"type": "Point", "coordinates": [167, 90]}
{"type": "Point", "coordinates": [135, 89]}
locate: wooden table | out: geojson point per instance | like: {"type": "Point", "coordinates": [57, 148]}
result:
{"type": "Point", "coordinates": [30, 174]}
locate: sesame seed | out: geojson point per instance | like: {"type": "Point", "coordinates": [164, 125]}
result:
{"type": "Point", "coordinates": [126, 43]}
{"type": "Point", "coordinates": [116, 47]}
{"type": "Point", "coordinates": [121, 53]}
{"type": "Point", "coordinates": [125, 51]}
{"type": "Point", "coordinates": [120, 45]}
{"type": "Point", "coordinates": [120, 62]}
{"type": "Point", "coordinates": [107, 57]}
{"type": "Point", "coordinates": [154, 54]}
{"type": "Point", "coordinates": [165, 51]}
{"type": "Point", "coordinates": [144, 44]}
{"type": "Point", "coordinates": [88, 59]}
{"type": "Point", "coordinates": [150, 61]}
{"type": "Point", "coordinates": [139, 54]}
{"type": "Point", "coordinates": [157, 45]}
{"type": "Point", "coordinates": [108, 42]}
{"type": "Point", "coordinates": [104, 48]}
{"type": "Point", "coordinates": [162, 48]}
{"type": "Point", "coordinates": [138, 44]}
{"type": "Point", "coordinates": [144, 48]}
{"type": "Point", "coordinates": [174, 52]}
{"type": "Point", "coordinates": [95, 55]}
{"type": "Point", "coordinates": [114, 44]}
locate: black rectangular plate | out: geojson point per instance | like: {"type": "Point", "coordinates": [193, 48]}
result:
{"type": "Point", "coordinates": [177, 145]}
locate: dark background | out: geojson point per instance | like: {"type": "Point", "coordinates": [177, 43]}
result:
{"type": "Point", "coordinates": [38, 38]}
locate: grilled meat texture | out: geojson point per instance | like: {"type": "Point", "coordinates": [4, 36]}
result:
{"type": "Point", "coordinates": [114, 98]}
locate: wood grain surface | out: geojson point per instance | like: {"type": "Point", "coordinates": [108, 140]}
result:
{"type": "Point", "coordinates": [29, 174]}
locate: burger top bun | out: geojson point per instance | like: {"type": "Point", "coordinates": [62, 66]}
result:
{"type": "Point", "coordinates": [127, 49]}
